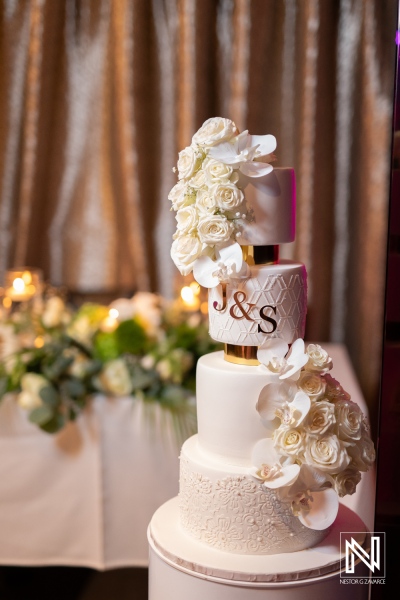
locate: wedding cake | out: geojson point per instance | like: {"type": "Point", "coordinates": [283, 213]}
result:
{"type": "Point", "coordinates": [279, 440]}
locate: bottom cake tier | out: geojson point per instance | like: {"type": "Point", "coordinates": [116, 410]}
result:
{"type": "Point", "coordinates": [224, 507]}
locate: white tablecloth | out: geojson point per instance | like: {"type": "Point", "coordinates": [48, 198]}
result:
{"type": "Point", "coordinates": [85, 496]}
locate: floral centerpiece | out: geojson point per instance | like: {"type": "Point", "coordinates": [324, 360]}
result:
{"type": "Point", "coordinates": [317, 440]}
{"type": "Point", "coordinates": [54, 358]}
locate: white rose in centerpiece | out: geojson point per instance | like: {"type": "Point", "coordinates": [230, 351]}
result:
{"type": "Point", "coordinates": [227, 196]}
{"type": "Point", "coordinates": [312, 384]}
{"type": "Point", "coordinates": [205, 202]}
{"type": "Point", "coordinates": [115, 378]}
{"type": "Point", "coordinates": [187, 219]}
{"type": "Point", "coordinates": [320, 418]}
{"type": "Point", "coordinates": [216, 171]}
{"type": "Point", "coordinates": [349, 419]}
{"type": "Point", "coordinates": [327, 454]}
{"type": "Point", "coordinates": [214, 229]}
{"type": "Point", "coordinates": [189, 162]}
{"type": "Point", "coordinates": [184, 251]}
{"type": "Point", "coordinates": [31, 385]}
{"type": "Point", "coordinates": [54, 312]}
{"type": "Point", "coordinates": [214, 131]}
{"type": "Point", "coordinates": [318, 359]}
{"type": "Point", "coordinates": [289, 441]}
{"type": "Point", "coordinates": [346, 481]}
{"type": "Point", "coordinates": [10, 342]}
{"type": "Point", "coordinates": [164, 369]}
{"type": "Point", "coordinates": [181, 195]}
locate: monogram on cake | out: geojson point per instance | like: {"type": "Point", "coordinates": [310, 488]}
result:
{"type": "Point", "coordinates": [279, 440]}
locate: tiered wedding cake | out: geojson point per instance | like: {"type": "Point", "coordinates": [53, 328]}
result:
{"type": "Point", "coordinates": [278, 438]}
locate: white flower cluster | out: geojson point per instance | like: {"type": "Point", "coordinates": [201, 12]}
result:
{"type": "Point", "coordinates": [318, 439]}
{"type": "Point", "coordinates": [209, 203]}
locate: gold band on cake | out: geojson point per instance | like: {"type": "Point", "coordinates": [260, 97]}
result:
{"type": "Point", "coordinates": [241, 355]}
{"type": "Point", "coordinates": [260, 255]}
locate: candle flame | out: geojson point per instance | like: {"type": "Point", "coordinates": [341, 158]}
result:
{"type": "Point", "coordinates": [187, 294]}
{"type": "Point", "coordinates": [18, 284]}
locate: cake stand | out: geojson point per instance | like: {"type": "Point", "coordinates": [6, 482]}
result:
{"type": "Point", "coordinates": [182, 568]}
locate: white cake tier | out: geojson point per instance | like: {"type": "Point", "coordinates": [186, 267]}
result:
{"type": "Point", "coordinates": [272, 200]}
{"type": "Point", "coordinates": [228, 422]}
{"type": "Point", "coordinates": [224, 507]}
{"type": "Point", "coordinates": [272, 302]}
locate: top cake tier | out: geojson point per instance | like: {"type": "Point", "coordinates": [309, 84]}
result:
{"type": "Point", "coordinates": [271, 201]}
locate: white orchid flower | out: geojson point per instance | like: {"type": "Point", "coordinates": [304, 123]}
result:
{"type": "Point", "coordinates": [282, 401]}
{"type": "Point", "coordinates": [314, 499]}
{"type": "Point", "coordinates": [229, 264]}
{"type": "Point", "coordinates": [272, 355]}
{"type": "Point", "coordinates": [275, 355]}
{"type": "Point", "coordinates": [295, 360]}
{"type": "Point", "coordinates": [268, 467]}
{"type": "Point", "coordinates": [246, 152]}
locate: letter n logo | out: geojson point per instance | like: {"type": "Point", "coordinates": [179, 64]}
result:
{"type": "Point", "coordinates": [372, 560]}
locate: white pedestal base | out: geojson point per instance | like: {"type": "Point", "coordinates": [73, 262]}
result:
{"type": "Point", "coordinates": [182, 568]}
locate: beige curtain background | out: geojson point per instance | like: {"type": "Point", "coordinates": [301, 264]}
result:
{"type": "Point", "coordinates": [98, 96]}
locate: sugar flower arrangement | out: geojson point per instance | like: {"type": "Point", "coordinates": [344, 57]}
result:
{"type": "Point", "coordinates": [209, 202]}
{"type": "Point", "coordinates": [317, 442]}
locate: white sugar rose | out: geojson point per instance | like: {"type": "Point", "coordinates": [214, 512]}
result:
{"type": "Point", "coordinates": [312, 384]}
{"type": "Point", "coordinates": [214, 131]}
{"type": "Point", "coordinates": [289, 442]}
{"type": "Point", "coordinates": [349, 418]}
{"type": "Point", "coordinates": [334, 390]}
{"type": "Point", "coordinates": [318, 359]}
{"type": "Point", "coordinates": [189, 162]}
{"type": "Point", "coordinates": [31, 386]}
{"type": "Point", "coordinates": [216, 172]}
{"type": "Point", "coordinates": [198, 180]}
{"type": "Point", "coordinates": [327, 453]}
{"type": "Point", "coordinates": [187, 219]}
{"type": "Point", "coordinates": [227, 196]}
{"type": "Point", "coordinates": [214, 229]}
{"type": "Point", "coordinates": [181, 195]}
{"type": "Point", "coordinates": [362, 453]}
{"type": "Point", "coordinates": [320, 418]}
{"type": "Point", "coordinates": [205, 202]}
{"type": "Point", "coordinates": [115, 378]}
{"type": "Point", "coordinates": [184, 251]}
{"type": "Point", "coordinates": [346, 481]}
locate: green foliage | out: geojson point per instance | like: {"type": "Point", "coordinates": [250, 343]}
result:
{"type": "Point", "coordinates": [131, 338]}
{"type": "Point", "coordinates": [106, 346]}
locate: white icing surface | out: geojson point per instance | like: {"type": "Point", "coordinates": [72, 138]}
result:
{"type": "Point", "coordinates": [224, 507]}
{"type": "Point", "coordinates": [228, 422]}
{"type": "Point", "coordinates": [272, 199]}
{"type": "Point", "coordinates": [280, 288]}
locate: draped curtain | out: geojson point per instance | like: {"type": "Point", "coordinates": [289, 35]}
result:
{"type": "Point", "coordinates": [98, 96]}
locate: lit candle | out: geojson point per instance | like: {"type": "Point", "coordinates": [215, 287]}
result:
{"type": "Point", "coordinates": [190, 300]}
{"type": "Point", "coordinates": [21, 285]}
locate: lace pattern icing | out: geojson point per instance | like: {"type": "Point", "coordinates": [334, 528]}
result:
{"type": "Point", "coordinates": [238, 515]}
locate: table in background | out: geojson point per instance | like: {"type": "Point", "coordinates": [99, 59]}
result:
{"type": "Point", "coordinates": [85, 497]}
